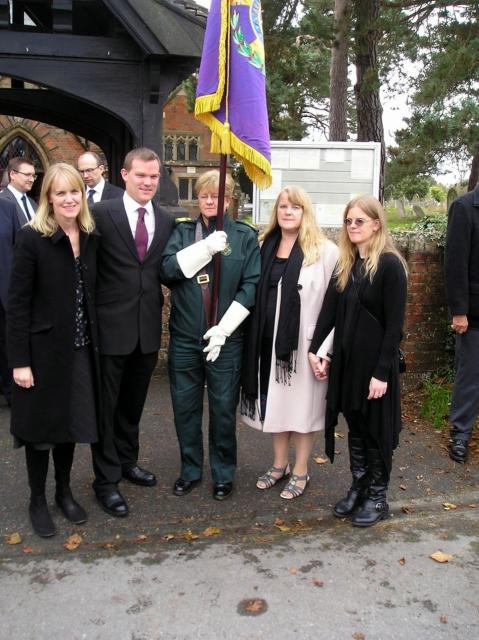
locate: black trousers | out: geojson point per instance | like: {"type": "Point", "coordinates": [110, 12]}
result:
{"type": "Point", "coordinates": [6, 380]}
{"type": "Point", "coordinates": [125, 381]}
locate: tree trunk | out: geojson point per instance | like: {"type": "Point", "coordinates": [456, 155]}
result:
{"type": "Point", "coordinates": [368, 101]}
{"type": "Point", "coordinates": [474, 174]}
{"type": "Point", "coordinates": [338, 76]}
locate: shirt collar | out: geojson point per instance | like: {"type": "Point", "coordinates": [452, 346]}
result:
{"type": "Point", "coordinates": [18, 194]}
{"type": "Point", "coordinates": [98, 188]}
{"type": "Point", "coordinates": [132, 206]}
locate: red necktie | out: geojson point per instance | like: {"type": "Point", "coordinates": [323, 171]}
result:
{"type": "Point", "coordinates": [141, 234]}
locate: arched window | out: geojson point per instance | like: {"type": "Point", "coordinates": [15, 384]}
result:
{"type": "Point", "coordinates": [20, 147]}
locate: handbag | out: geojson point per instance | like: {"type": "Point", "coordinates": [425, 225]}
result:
{"type": "Point", "coordinates": [401, 354]}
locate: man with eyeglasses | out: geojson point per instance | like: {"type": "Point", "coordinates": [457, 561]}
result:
{"type": "Point", "coordinates": [92, 169]}
{"type": "Point", "coordinates": [21, 176]}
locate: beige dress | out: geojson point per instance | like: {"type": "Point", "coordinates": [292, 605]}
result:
{"type": "Point", "coordinates": [301, 405]}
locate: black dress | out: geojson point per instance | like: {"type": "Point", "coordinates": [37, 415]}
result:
{"type": "Point", "coordinates": [368, 319]}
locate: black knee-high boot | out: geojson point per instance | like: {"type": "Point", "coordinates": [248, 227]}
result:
{"type": "Point", "coordinates": [374, 507]}
{"type": "Point", "coordinates": [63, 459]}
{"type": "Point", "coordinates": [37, 469]}
{"type": "Point", "coordinates": [357, 460]}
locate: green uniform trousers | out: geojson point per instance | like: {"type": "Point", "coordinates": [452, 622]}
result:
{"type": "Point", "coordinates": [189, 372]}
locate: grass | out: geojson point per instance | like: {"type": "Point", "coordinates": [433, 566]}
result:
{"type": "Point", "coordinates": [437, 399]}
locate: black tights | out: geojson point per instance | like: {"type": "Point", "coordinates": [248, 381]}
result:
{"type": "Point", "coordinates": [37, 466]}
{"type": "Point", "coordinates": [358, 428]}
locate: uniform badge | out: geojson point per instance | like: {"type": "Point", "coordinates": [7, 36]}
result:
{"type": "Point", "coordinates": [227, 250]}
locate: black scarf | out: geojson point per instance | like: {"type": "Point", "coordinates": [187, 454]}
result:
{"type": "Point", "coordinates": [287, 333]}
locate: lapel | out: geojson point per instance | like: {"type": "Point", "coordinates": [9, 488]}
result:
{"type": "Point", "coordinates": [120, 220]}
{"type": "Point", "coordinates": [21, 215]}
{"type": "Point", "coordinates": [159, 234]}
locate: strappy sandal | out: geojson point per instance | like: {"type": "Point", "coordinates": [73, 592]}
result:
{"type": "Point", "coordinates": [291, 490]}
{"type": "Point", "coordinates": [269, 480]}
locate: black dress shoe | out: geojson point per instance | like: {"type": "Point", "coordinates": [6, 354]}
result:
{"type": "Point", "coordinates": [113, 503]}
{"type": "Point", "coordinates": [222, 490]}
{"type": "Point", "coordinates": [459, 450]}
{"type": "Point", "coordinates": [140, 476]}
{"type": "Point", "coordinates": [182, 487]}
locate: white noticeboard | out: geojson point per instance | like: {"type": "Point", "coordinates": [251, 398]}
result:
{"type": "Point", "coordinates": [331, 172]}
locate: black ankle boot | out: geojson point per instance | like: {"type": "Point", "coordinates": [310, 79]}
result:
{"type": "Point", "coordinates": [41, 520]}
{"type": "Point", "coordinates": [357, 461]}
{"type": "Point", "coordinates": [69, 506]}
{"type": "Point", "coordinates": [374, 506]}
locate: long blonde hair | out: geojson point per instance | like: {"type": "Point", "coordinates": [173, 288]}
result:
{"type": "Point", "coordinates": [310, 235]}
{"type": "Point", "coordinates": [381, 242]}
{"type": "Point", "coordinates": [44, 220]}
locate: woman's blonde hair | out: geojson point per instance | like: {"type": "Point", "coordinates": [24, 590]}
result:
{"type": "Point", "coordinates": [211, 180]}
{"type": "Point", "coordinates": [381, 242]}
{"type": "Point", "coordinates": [44, 220]}
{"type": "Point", "coordinates": [310, 235]}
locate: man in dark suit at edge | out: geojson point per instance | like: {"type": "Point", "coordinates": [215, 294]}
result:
{"type": "Point", "coordinates": [129, 303]}
{"type": "Point", "coordinates": [9, 225]}
{"type": "Point", "coordinates": [91, 168]}
{"type": "Point", "coordinates": [21, 176]}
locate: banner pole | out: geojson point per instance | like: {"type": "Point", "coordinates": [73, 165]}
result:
{"type": "Point", "coordinates": [219, 227]}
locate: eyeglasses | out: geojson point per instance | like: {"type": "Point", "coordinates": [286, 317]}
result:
{"type": "Point", "coordinates": [32, 176]}
{"type": "Point", "coordinates": [88, 171]}
{"type": "Point", "coordinates": [357, 221]}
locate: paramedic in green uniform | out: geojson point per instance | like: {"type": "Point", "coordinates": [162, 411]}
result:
{"type": "Point", "coordinates": [198, 353]}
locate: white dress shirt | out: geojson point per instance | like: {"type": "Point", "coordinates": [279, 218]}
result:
{"type": "Point", "coordinates": [131, 208]}
{"type": "Point", "coordinates": [98, 190]}
{"type": "Point", "coordinates": [18, 196]}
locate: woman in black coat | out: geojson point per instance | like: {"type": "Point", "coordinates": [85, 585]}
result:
{"type": "Point", "coordinates": [52, 342]}
{"type": "Point", "coordinates": [365, 302]}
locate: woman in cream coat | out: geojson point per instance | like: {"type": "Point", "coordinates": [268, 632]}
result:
{"type": "Point", "coordinates": [280, 394]}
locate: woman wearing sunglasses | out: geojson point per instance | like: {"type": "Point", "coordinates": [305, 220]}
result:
{"type": "Point", "coordinates": [365, 302]}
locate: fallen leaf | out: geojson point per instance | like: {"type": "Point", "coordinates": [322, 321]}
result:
{"type": "Point", "coordinates": [283, 528]}
{"type": "Point", "coordinates": [141, 538]}
{"type": "Point", "coordinates": [189, 535]}
{"type": "Point", "coordinates": [27, 549]}
{"type": "Point", "coordinates": [169, 536]}
{"type": "Point", "coordinates": [278, 521]}
{"type": "Point", "coordinates": [473, 506]}
{"type": "Point", "coordinates": [254, 606]}
{"type": "Point", "coordinates": [402, 487]}
{"type": "Point", "coordinates": [357, 635]}
{"type": "Point", "coordinates": [109, 545]}
{"type": "Point", "coordinates": [338, 434]}
{"type": "Point", "coordinates": [407, 509]}
{"type": "Point", "coordinates": [444, 619]}
{"type": "Point", "coordinates": [421, 477]}
{"type": "Point", "coordinates": [13, 538]}
{"type": "Point", "coordinates": [439, 556]}
{"type": "Point", "coordinates": [73, 542]}
{"type": "Point", "coordinates": [293, 571]}
{"type": "Point", "coordinates": [320, 460]}
{"type": "Point", "coordinates": [402, 561]}
{"type": "Point", "coordinates": [318, 583]}
{"type": "Point", "coordinates": [449, 505]}
{"type": "Point", "coordinates": [211, 531]}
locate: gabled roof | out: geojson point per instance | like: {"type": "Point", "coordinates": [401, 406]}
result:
{"type": "Point", "coordinates": [162, 27]}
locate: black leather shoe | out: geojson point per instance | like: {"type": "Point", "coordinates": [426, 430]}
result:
{"type": "Point", "coordinates": [114, 504]}
{"type": "Point", "coordinates": [140, 476]}
{"type": "Point", "coordinates": [222, 490]}
{"type": "Point", "coordinates": [182, 487]}
{"type": "Point", "coordinates": [459, 450]}
{"type": "Point", "coordinates": [70, 507]}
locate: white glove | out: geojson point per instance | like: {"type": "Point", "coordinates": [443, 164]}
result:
{"type": "Point", "coordinates": [193, 258]}
{"type": "Point", "coordinates": [233, 317]}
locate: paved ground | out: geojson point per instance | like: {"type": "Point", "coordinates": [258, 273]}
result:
{"type": "Point", "coordinates": [251, 567]}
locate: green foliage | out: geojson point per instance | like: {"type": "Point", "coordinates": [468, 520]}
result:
{"type": "Point", "coordinates": [434, 226]}
{"type": "Point", "coordinates": [437, 399]}
{"type": "Point", "coordinates": [438, 192]}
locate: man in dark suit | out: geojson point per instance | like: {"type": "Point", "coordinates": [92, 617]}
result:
{"type": "Point", "coordinates": [129, 303]}
{"type": "Point", "coordinates": [92, 169]}
{"type": "Point", "coordinates": [9, 225]}
{"type": "Point", "coordinates": [462, 289]}
{"type": "Point", "coordinates": [21, 176]}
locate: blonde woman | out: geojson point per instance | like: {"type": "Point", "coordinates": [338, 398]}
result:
{"type": "Point", "coordinates": [365, 302]}
{"type": "Point", "coordinates": [52, 339]}
{"type": "Point", "coordinates": [280, 394]}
